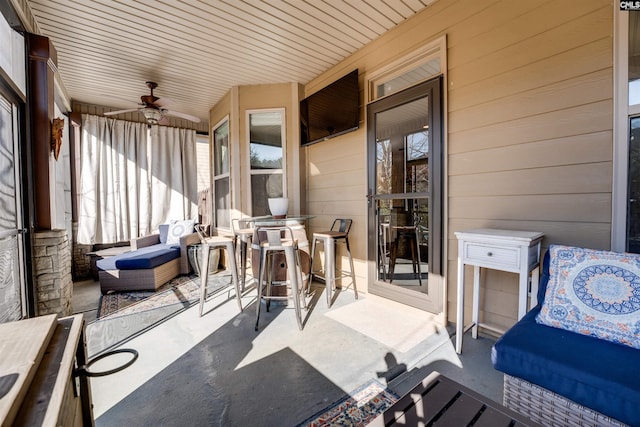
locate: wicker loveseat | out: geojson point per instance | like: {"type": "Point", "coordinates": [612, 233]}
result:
{"type": "Point", "coordinates": [559, 377]}
{"type": "Point", "coordinates": [150, 263]}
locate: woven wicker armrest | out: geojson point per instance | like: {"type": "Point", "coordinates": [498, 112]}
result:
{"type": "Point", "coordinates": [185, 242]}
{"type": "Point", "coordinates": [142, 242]}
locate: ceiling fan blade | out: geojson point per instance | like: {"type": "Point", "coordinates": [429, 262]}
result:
{"type": "Point", "coordinates": [164, 121]}
{"type": "Point", "coordinates": [163, 102]}
{"type": "Point", "coordinates": [182, 116]}
{"type": "Point", "coordinates": [113, 113]}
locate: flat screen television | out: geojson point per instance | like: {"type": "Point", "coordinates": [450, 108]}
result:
{"type": "Point", "coordinates": [333, 110]}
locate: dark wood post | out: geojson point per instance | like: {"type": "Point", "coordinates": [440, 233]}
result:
{"type": "Point", "coordinates": [40, 92]}
{"type": "Point", "coordinates": [75, 120]}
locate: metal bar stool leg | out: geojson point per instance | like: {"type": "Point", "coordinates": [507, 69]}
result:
{"type": "Point", "coordinates": [243, 261]}
{"type": "Point", "coordinates": [313, 254]}
{"type": "Point", "coordinates": [227, 244]}
{"type": "Point", "coordinates": [204, 274]}
{"type": "Point", "coordinates": [234, 271]}
{"type": "Point", "coordinates": [353, 274]}
{"type": "Point", "coordinates": [303, 292]}
{"type": "Point", "coordinates": [329, 267]}
{"type": "Point", "coordinates": [292, 272]}
{"type": "Point", "coordinates": [261, 268]}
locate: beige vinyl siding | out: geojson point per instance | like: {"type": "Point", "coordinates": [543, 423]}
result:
{"type": "Point", "coordinates": [529, 116]}
{"type": "Point", "coordinates": [530, 136]}
{"type": "Point", "coordinates": [337, 189]}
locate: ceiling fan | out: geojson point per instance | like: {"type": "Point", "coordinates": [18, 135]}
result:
{"type": "Point", "coordinates": [154, 109]}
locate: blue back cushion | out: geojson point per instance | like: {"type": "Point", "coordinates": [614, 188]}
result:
{"type": "Point", "coordinates": [143, 258]}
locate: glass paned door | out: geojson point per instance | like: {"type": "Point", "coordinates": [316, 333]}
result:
{"type": "Point", "coordinates": [11, 246]}
{"type": "Point", "coordinates": [405, 196]}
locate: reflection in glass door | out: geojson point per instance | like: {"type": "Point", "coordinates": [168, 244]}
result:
{"type": "Point", "coordinates": [405, 195]}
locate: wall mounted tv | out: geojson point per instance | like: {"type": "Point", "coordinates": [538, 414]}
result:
{"type": "Point", "coordinates": [333, 110]}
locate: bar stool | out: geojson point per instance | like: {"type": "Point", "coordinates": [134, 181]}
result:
{"type": "Point", "coordinates": [339, 233]}
{"type": "Point", "coordinates": [217, 242]}
{"type": "Point", "coordinates": [274, 245]}
{"type": "Point", "coordinates": [243, 234]}
{"type": "Point", "coordinates": [407, 234]}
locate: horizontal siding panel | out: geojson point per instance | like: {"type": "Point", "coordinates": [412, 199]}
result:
{"type": "Point", "coordinates": [337, 208]}
{"type": "Point", "coordinates": [347, 162]}
{"type": "Point", "coordinates": [596, 235]}
{"type": "Point", "coordinates": [498, 321]}
{"type": "Point", "coordinates": [578, 120]}
{"type": "Point", "coordinates": [555, 207]}
{"type": "Point", "coordinates": [575, 149]}
{"type": "Point", "coordinates": [573, 34]}
{"type": "Point", "coordinates": [343, 180]}
{"type": "Point", "coordinates": [584, 89]}
{"type": "Point", "coordinates": [487, 21]}
{"type": "Point", "coordinates": [571, 179]}
{"type": "Point", "coordinates": [509, 23]}
{"type": "Point", "coordinates": [347, 193]}
{"type": "Point", "coordinates": [576, 62]}
{"type": "Point", "coordinates": [337, 148]}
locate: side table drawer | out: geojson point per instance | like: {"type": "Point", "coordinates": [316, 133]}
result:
{"type": "Point", "coordinates": [491, 255]}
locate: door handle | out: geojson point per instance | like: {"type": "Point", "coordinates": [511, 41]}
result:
{"type": "Point", "coordinates": [370, 198]}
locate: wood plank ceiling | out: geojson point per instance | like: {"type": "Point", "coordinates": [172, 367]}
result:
{"type": "Point", "coordinates": [197, 50]}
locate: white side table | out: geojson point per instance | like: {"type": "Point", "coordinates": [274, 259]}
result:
{"type": "Point", "coordinates": [506, 250]}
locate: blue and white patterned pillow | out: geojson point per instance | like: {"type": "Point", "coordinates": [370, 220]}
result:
{"type": "Point", "coordinates": [594, 293]}
{"type": "Point", "coordinates": [177, 229]}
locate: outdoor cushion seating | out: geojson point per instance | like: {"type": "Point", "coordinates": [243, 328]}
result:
{"type": "Point", "coordinates": [152, 261]}
{"type": "Point", "coordinates": [595, 378]}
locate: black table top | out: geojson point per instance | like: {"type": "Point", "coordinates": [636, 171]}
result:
{"type": "Point", "coordinates": [440, 401]}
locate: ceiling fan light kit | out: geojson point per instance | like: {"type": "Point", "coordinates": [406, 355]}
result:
{"type": "Point", "coordinates": [152, 109]}
{"type": "Point", "coordinates": [152, 115]}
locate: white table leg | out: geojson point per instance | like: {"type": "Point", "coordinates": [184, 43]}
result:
{"type": "Point", "coordinates": [475, 313]}
{"type": "Point", "coordinates": [460, 302]}
{"type": "Point", "coordinates": [523, 287]}
{"type": "Point", "coordinates": [535, 280]}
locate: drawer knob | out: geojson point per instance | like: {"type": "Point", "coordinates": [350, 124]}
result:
{"type": "Point", "coordinates": [489, 253]}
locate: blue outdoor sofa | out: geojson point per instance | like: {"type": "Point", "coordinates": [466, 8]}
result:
{"type": "Point", "coordinates": [151, 262]}
{"type": "Point", "coordinates": [560, 377]}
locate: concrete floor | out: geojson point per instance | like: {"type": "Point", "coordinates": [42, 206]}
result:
{"type": "Point", "coordinates": [216, 370]}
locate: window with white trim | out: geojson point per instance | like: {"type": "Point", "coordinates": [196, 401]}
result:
{"type": "Point", "coordinates": [221, 188]}
{"type": "Point", "coordinates": [267, 158]}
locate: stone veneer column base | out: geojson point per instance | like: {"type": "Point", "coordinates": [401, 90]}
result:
{"type": "Point", "coordinates": [52, 272]}
{"type": "Point", "coordinates": [80, 260]}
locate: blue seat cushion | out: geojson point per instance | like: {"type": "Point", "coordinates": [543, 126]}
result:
{"type": "Point", "coordinates": [143, 258]}
{"type": "Point", "coordinates": [598, 374]}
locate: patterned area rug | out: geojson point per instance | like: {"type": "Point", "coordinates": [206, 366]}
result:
{"type": "Point", "coordinates": [358, 408]}
{"type": "Point", "coordinates": [123, 315]}
{"type": "Point", "coordinates": [183, 289]}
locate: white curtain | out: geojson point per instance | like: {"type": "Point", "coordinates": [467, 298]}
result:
{"type": "Point", "coordinates": [133, 178]}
